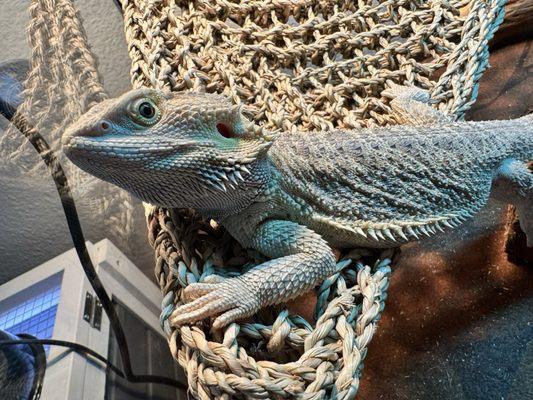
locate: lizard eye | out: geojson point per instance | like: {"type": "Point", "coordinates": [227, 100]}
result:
{"type": "Point", "coordinates": [224, 129]}
{"type": "Point", "coordinates": [145, 112]}
{"type": "Point", "coordinates": [104, 126]}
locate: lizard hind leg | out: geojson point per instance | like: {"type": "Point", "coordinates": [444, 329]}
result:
{"type": "Point", "coordinates": [513, 183]}
{"type": "Point", "coordinates": [411, 106]}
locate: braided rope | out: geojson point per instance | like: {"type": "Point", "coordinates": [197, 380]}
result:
{"type": "Point", "coordinates": [296, 65]}
{"type": "Point", "coordinates": [63, 81]}
{"type": "Point", "coordinates": [226, 365]}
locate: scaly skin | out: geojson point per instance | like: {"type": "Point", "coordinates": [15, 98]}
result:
{"type": "Point", "coordinates": [293, 196]}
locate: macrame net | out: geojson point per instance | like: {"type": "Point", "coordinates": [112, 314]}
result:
{"type": "Point", "coordinates": [296, 65]}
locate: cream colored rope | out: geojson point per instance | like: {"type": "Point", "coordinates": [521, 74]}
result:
{"type": "Point", "coordinates": [325, 359]}
{"type": "Point", "coordinates": [296, 65]}
{"type": "Point", "coordinates": [63, 81]}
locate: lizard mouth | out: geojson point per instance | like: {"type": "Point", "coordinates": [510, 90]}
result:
{"type": "Point", "coordinates": [119, 146]}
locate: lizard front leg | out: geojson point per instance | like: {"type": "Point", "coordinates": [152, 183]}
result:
{"type": "Point", "coordinates": [300, 260]}
{"type": "Point", "coordinates": [411, 106]}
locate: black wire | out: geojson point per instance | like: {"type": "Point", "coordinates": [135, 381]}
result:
{"type": "Point", "coordinates": [71, 214]}
{"type": "Point", "coordinates": [78, 348]}
{"type": "Point", "coordinates": [39, 363]}
{"type": "Point", "coordinates": [118, 4]}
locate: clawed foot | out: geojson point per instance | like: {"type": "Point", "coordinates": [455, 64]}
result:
{"type": "Point", "coordinates": [230, 299]}
{"type": "Point", "coordinates": [513, 183]}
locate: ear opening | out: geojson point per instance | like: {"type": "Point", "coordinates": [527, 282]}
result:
{"type": "Point", "coordinates": [225, 130]}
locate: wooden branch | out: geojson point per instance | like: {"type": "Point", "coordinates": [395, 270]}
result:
{"type": "Point", "coordinates": [517, 24]}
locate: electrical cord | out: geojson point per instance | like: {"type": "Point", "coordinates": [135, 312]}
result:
{"type": "Point", "coordinates": [71, 214]}
{"type": "Point", "coordinates": [78, 348]}
{"type": "Point", "coordinates": [39, 365]}
{"type": "Point", "coordinates": [17, 365]}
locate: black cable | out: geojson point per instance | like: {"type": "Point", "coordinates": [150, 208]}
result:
{"type": "Point", "coordinates": [39, 365]}
{"type": "Point", "coordinates": [71, 214]}
{"type": "Point", "coordinates": [118, 4]}
{"type": "Point", "coordinates": [78, 348]}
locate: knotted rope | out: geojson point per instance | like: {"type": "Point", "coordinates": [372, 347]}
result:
{"type": "Point", "coordinates": [296, 65]}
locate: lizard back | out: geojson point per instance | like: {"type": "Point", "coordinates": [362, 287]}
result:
{"type": "Point", "coordinates": [393, 182]}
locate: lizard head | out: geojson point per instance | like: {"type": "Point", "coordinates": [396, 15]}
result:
{"type": "Point", "coordinates": [170, 149]}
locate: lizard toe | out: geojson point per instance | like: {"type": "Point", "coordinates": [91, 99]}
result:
{"type": "Point", "coordinates": [204, 312]}
{"type": "Point", "coordinates": [229, 297]}
{"type": "Point", "coordinates": [204, 307]}
{"type": "Point", "coordinates": [229, 316]}
{"type": "Point", "coordinates": [194, 305]}
{"type": "Point", "coordinates": [196, 290]}
{"type": "Point", "coordinates": [213, 278]}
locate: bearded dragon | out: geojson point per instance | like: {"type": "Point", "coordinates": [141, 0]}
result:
{"type": "Point", "coordinates": [292, 196]}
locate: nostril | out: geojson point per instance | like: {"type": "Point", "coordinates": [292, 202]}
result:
{"type": "Point", "coordinates": [105, 126]}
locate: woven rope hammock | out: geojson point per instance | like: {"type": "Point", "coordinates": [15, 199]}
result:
{"type": "Point", "coordinates": [297, 65]}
